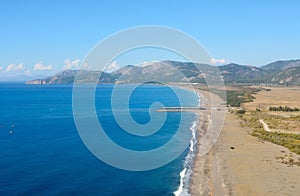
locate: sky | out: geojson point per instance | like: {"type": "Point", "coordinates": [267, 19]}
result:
{"type": "Point", "coordinates": [43, 37]}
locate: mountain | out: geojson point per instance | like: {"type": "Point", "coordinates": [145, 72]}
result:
{"type": "Point", "coordinates": [68, 77]}
{"type": "Point", "coordinates": [241, 73]}
{"type": "Point", "coordinates": [279, 73]}
{"type": "Point", "coordinates": [290, 76]}
{"type": "Point", "coordinates": [172, 71]}
{"type": "Point", "coordinates": [281, 65]}
{"type": "Point", "coordinates": [21, 77]}
{"type": "Point", "coordinates": [164, 72]}
{"type": "Point", "coordinates": [283, 72]}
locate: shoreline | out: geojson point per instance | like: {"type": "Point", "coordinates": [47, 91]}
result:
{"type": "Point", "coordinates": [202, 173]}
{"type": "Point", "coordinates": [186, 173]}
{"type": "Point", "coordinates": [200, 179]}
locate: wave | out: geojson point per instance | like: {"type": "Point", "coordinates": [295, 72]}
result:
{"type": "Point", "coordinates": [186, 173]}
{"type": "Point", "coordinates": [180, 189]}
{"type": "Point", "coordinates": [199, 99]}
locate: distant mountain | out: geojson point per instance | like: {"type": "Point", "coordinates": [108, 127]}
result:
{"type": "Point", "coordinates": [68, 77]}
{"type": "Point", "coordinates": [241, 73]}
{"type": "Point", "coordinates": [281, 65]}
{"type": "Point", "coordinates": [290, 76]}
{"type": "Point", "coordinates": [21, 77]}
{"type": "Point", "coordinates": [279, 73]}
{"type": "Point", "coordinates": [165, 71]}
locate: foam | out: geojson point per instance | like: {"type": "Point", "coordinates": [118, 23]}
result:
{"type": "Point", "coordinates": [186, 173]}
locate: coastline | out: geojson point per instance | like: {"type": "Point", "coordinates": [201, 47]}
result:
{"type": "Point", "coordinates": [186, 173]}
{"type": "Point", "coordinates": [240, 164]}
{"type": "Point", "coordinates": [206, 167]}
{"type": "Point", "coordinates": [199, 182]}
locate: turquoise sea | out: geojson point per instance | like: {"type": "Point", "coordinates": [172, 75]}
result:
{"type": "Point", "coordinates": [41, 152]}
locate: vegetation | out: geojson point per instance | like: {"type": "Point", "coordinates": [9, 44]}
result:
{"type": "Point", "coordinates": [288, 140]}
{"type": "Point", "coordinates": [250, 119]}
{"type": "Point", "coordinates": [284, 109]}
{"type": "Point", "coordinates": [234, 98]}
{"type": "Point", "coordinates": [241, 111]}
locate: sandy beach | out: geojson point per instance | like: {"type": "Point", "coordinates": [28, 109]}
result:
{"type": "Point", "coordinates": [240, 164]}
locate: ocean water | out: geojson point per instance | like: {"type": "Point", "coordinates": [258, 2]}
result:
{"type": "Point", "coordinates": [41, 152]}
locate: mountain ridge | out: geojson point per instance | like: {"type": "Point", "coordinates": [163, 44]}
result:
{"type": "Point", "coordinates": [279, 73]}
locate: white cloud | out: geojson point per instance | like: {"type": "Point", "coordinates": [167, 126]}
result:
{"type": "Point", "coordinates": [1, 68]}
{"type": "Point", "coordinates": [219, 61]}
{"type": "Point", "coordinates": [41, 67]}
{"type": "Point", "coordinates": [14, 67]}
{"type": "Point", "coordinates": [146, 63]}
{"type": "Point", "coordinates": [86, 66]}
{"type": "Point", "coordinates": [28, 72]}
{"type": "Point", "coordinates": [69, 64]}
{"type": "Point", "coordinates": [112, 67]}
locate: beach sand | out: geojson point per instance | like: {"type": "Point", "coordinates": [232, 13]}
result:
{"type": "Point", "coordinates": [240, 164]}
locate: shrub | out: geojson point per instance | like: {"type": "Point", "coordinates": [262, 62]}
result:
{"type": "Point", "coordinates": [241, 111]}
{"type": "Point", "coordinates": [284, 109]}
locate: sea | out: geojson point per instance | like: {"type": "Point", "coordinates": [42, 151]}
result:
{"type": "Point", "coordinates": [41, 152]}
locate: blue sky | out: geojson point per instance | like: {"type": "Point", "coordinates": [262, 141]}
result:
{"type": "Point", "coordinates": [43, 37]}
